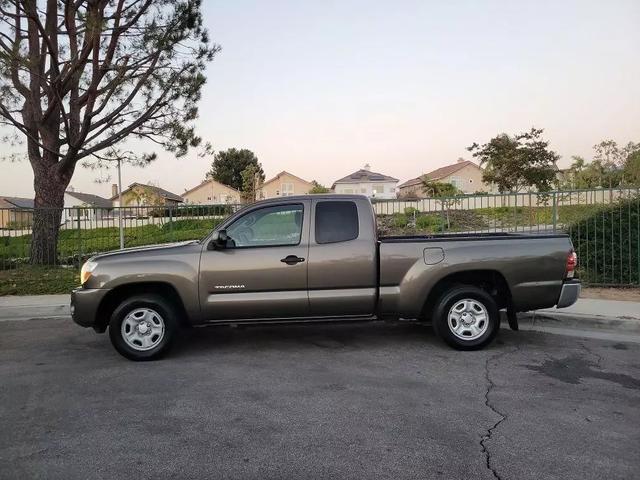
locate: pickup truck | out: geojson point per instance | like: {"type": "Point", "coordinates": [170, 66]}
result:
{"type": "Point", "coordinates": [317, 258]}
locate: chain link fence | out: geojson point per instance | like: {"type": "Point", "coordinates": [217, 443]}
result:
{"type": "Point", "coordinates": [604, 225]}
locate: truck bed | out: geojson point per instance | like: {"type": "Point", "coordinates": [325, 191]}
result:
{"type": "Point", "coordinates": [532, 266]}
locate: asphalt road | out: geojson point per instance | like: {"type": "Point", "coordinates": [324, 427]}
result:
{"type": "Point", "coordinates": [337, 401]}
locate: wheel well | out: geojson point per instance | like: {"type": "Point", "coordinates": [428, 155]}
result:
{"type": "Point", "coordinates": [492, 281]}
{"type": "Point", "coordinates": [112, 299]}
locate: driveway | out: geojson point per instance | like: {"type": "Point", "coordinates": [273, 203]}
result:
{"type": "Point", "coordinates": [334, 401]}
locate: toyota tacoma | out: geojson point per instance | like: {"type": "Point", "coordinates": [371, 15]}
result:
{"type": "Point", "coordinates": [317, 258]}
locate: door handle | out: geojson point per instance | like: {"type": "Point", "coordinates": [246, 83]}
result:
{"type": "Point", "coordinates": [292, 259]}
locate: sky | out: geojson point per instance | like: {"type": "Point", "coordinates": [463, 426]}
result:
{"type": "Point", "coordinates": [321, 88]}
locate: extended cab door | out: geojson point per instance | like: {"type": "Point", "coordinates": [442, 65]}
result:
{"type": "Point", "coordinates": [263, 271]}
{"type": "Point", "coordinates": [342, 258]}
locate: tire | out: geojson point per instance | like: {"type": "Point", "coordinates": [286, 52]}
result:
{"type": "Point", "coordinates": [466, 317]}
{"type": "Point", "coordinates": [143, 327]}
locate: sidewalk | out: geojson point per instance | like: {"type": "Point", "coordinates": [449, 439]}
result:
{"type": "Point", "coordinates": [587, 314]}
{"type": "Point", "coordinates": [34, 306]}
{"type": "Point", "coordinates": [613, 320]}
{"type": "Point", "coordinates": [590, 307]}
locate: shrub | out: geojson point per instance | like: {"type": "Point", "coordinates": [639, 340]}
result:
{"type": "Point", "coordinates": [400, 220]}
{"type": "Point", "coordinates": [608, 243]}
{"type": "Point", "coordinates": [411, 211]}
{"type": "Point", "coordinates": [431, 223]}
{"type": "Point", "coordinates": [191, 224]}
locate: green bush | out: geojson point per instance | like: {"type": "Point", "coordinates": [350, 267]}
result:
{"type": "Point", "coordinates": [411, 211]}
{"type": "Point", "coordinates": [430, 223]}
{"type": "Point", "coordinates": [607, 242]}
{"type": "Point", "coordinates": [400, 220]}
{"type": "Point", "coordinates": [191, 224]}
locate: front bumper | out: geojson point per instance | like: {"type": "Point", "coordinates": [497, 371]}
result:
{"type": "Point", "coordinates": [84, 305]}
{"type": "Point", "coordinates": [569, 294]}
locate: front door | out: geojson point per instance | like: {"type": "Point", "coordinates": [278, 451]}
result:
{"type": "Point", "coordinates": [262, 273]}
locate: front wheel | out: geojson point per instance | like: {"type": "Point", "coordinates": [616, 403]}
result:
{"type": "Point", "coordinates": [142, 327]}
{"type": "Point", "coordinates": [466, 317]}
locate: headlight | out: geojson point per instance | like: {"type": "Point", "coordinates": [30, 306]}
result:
{"type": "Point", "coordinates": [85, 272]}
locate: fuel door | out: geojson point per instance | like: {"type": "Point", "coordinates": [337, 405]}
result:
{"type": "Point", "coordinates": [433, 255]}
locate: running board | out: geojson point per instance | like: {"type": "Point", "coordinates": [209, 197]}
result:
{"type": "Point", "coordinates": [270, 321]}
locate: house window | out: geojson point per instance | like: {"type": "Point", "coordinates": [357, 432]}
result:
{"type": "Point", "coordinates": [363, 190]}
{"type": "Point", "coordinates": [287, 189]}
{"type": "Point", "coordinates": [455, 181]}
{"type": "Point", "coordinates": [348, 190]}
{"type": "Point", "coordinates": [378, 189]}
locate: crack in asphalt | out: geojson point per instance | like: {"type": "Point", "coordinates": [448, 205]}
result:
{"type": "Point", "coordinates": [591, 352]}
{"type": "Point", "coordinates": [487, 436]}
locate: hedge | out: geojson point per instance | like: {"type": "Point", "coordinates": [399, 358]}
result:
{"type": "Point", "coordinates": [607, 242]}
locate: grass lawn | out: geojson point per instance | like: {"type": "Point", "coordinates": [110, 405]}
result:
{"type": "Point", "coordinates": [30, 280]}
{"type": "Point", "coordinates": [76, 245]}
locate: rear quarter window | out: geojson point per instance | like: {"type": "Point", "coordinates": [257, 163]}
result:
{"type": "Point", "coordinates": [336, 222]}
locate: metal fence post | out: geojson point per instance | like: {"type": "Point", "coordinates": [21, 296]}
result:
{"type": "Point", "coordinates": [79, 238]}
{"type": "Point", "coordinates": [171, 224]}
{"type": "Point", "coordinates": [554, 212]}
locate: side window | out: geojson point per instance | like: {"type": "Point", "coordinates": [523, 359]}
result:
{"type": "Point", "coordinates": [268, 227]}
{"type": "Point", "coordinates": [336, 222]}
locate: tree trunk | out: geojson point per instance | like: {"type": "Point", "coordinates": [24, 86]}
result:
{"type": "Point", "coordinates": [48, 204]}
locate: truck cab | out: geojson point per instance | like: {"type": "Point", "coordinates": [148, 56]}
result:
{"type": "Point", "coordinates": [299, 258]}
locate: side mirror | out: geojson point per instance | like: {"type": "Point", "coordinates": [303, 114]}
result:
{"type": "Point", "coordinates": [218, 240]}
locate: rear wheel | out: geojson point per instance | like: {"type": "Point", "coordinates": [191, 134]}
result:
{"type": "Point", "coordinates": [143, 327]}
{"type": "Point", "coordinates": [466, 317]}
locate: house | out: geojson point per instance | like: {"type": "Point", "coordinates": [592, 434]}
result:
{"type": "Point", "coordinates": [138, 194]}
{"type": "Point", "coordinates": [366, 182]}
{"type": "Point", "coordinates": [210, 192]}
{"type": "Point", "coordinates": [465, 175]}
{"type": "Point", "coordinates": [16, 212]}
{"type": "Point", "coordinates": [283, 184]}
{"type": "Point", "coordinates": [84, 206]}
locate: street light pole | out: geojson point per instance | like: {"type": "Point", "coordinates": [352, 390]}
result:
{"type": "Point", "coordinates": [120, 225]}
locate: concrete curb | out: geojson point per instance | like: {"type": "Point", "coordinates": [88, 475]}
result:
{"type": "Point", "coordinates": [34, 306]}
{"type": "Point", "coordinates": [624, 327]}
{"type": "Point", "coordinates": [588, 326]}
{"type": "Point", "coordinates": [592, 322]}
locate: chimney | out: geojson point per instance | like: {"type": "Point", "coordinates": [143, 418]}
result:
{"type": "Point", "coordinates": [114, 189]}
{"type": "Point", "coordinates": [367, 167]}
{"type": "Point", "coordinates": [460, 160]}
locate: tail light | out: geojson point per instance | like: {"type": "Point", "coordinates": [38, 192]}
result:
{"type": "Point", "coordinates": [572, 263]}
